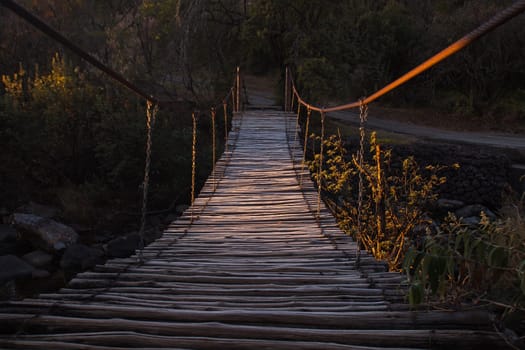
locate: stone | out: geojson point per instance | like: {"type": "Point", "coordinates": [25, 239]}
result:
{"type": "Point", "coordinates": [471, 221]}
{"type": "Point", "coordinates": [474, 210]}
{"type": "Point", "coordinates": [122, 247]}
{"type": "Point", "coordinates": [8, 290]}
{"type": "Point", "coordinates": [7, 233]}
{"type": "Point", "coordinates": [44, 233]}
{"type": "Point", "coordinates": [38, 258]}
{"type": "Point", "coordinates": [168, 219]}
{"type": "Point", "coordinates": [449, 204]}
{"type": "Point", "coordinates": [181, 208]}
{"type": "Point", "coordinates": [8, 248]}
{"type": "Point", "coordinates": [14, 268]}
{"type": "Point", "coordinates": [43, 211]}
{"type": "Point", "coordinates": [79, 257]}
{"type": "Point", "coordinates": [40, 274]}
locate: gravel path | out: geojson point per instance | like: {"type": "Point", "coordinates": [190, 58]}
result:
{"type": "Point", "coordinates": [499, 140]}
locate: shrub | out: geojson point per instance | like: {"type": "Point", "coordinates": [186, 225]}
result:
{"type": "Point", "coordinates": [481, 264]}
{"type": "Point", "coordinates": [394, 201]}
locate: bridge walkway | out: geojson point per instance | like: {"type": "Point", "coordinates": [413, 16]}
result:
{"type": "Point", "coordinates": [248, 266]}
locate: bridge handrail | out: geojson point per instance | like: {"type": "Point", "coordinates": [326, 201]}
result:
{"type": "Point", "coordinates": [505, 15]}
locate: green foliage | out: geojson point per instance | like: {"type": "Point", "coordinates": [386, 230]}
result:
{"type": "Point", "coordinates": [484, 264]}
{"type": "Point", "coordinates": [315, 76]}
{"type": "Point", "coordinates": [393, 203]}
{"type": "Point", "coordinates": [345, 50]}
{"type": "Point", "coordinates": [71, 135]}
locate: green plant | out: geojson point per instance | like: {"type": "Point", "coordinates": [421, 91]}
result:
{"type": "Point", "coordinates": [482, 264]}
{"type": "Point", "coordinates": [394, 200]}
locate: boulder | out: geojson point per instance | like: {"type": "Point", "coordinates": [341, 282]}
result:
{"type": "Point", "coordinates": [474, 210]}
{"type": "Point", "coordinates": [181, 208]}
{"type": "Point", "coordinates": [168, 219]}
{"type": "Point", "coordinates": [79, 257]}
{"type": "Point", "coordinates": [44, 233]}
{"type": "Point", "coordinates": [40, 274]}
{"type": "Point", "coordinates": [43, 211]}
{"type": "Point", "coordinates": [7, 234]}
{"type": "Point", "coordinates": [122, 247]}
{"type": "Point", "coordinates": [449, 204]}
{"type": "Point", "coordinates": [14, 268]}
{"type": "Point", "coordinates": [38, 258]}
{"type": "Point", "coordinates": [8, 248]}
{"type": "Point", "coordinates": [471, 221]}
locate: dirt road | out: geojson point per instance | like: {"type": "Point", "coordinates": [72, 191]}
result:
{"type": "Point", "coordinates": [499, 140]}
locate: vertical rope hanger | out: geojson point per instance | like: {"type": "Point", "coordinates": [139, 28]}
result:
{"type": "Point", "coordinates": [214, 156]}
{"type": "Point", "coordinates": [151, 113]}
{"type": "Point", "coordinates": [295, 133]}
{"type": "Point", "coordinates": [308, 114]}
{"type": "Point", "coordinates": [363, 116]}
{"type": "Point", "coordinates": [320, 170]}
{"type": "Point", "coordinates": [225, 108]}
{"type": "Point", "coordinates": [293, 102]}
{"type": "Point", "coordinates": [193, 159]}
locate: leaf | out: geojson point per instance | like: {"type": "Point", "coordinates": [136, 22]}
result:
{"type": "Point", "coordinates": [437, 267]}
{"type": "Point", "coordinates": [521, 268]}
{"type": "Point", "coordinates": [497, 257]}
{"type": "Point", "coordinates": [523, 284]}
{"type": "Point", "coordinates": [415, 293]}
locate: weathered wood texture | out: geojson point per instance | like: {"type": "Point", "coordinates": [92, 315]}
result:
{"type": "Point", "coordinates": [248, 266]}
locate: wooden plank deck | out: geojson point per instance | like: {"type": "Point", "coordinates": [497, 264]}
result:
{"type": "Point", "coordinates": [248, 266]}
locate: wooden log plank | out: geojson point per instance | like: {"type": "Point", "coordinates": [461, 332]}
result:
{"type": "Point", "coordinates": [91, 328]}
{"type": "Point", "coordinates": [477, 320]}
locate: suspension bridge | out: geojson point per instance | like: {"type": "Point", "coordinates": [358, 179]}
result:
{"type": "Point", "coordinates": [256, 262]}
{"type": "Point", "coordinates": [252, 264]}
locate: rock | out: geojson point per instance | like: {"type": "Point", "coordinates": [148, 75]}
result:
{"type": "Point", "coordinates": [43, 211]}
{"type": "Point", "coordinates": [474, 210]}
{"type": "Point", "coordinates": [14, 268]}
{"type": "Point", "coordinates": [40, 274]}
{"type": "Point", "coordinates": [38, 258]}
{"type": "Point", "coordinates": [7, 233]}
{"type": "Point", "coordinates": [8, 290]}
{"type": "Point", "coordinates": [46, 234]}
{"type": "Point", "coordinates": [471, 221]}
{"type": "Point", "coordinates": [181, 208]}
{"type": "Point", "coordinates": [449, 204]}
{"type": "Point", "coordinates": [79, 257]}
{"type": "Point", "coordinates": [122, 247]}
{"type": "Point", "coordinates": [168, 219]}
{"type": "Point", "coordinates": [8, 248]}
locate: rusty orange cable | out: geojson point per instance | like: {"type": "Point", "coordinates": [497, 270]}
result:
{"type": "Point", "coordinates": [500, 18]}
